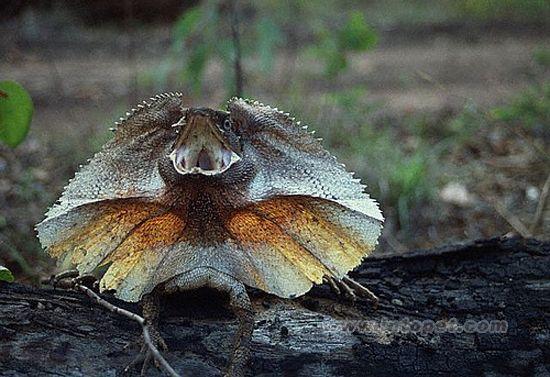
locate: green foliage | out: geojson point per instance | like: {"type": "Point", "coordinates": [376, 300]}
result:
{"type": "Point", "coordinates": [357, 35]}
{"type": "Point", "coordinates": [187, 23]}
{"type": "Point", "coordinates": [407, 176]}
{"type": "Point", "coordinates": [6, 275]}
{"type": "Point", "coordinates": [195, 41]}
{"type": "Point", "coordinates": [328, 51]}
{"type": "Point", "coordinates": [203, 35]}
{"type": "Point", "coordinates": [541, 56]}
{"type": "Point", "coordinates": [333, 46]}
{"type": "Point", "coordinates": [514, 10]}
{"type": "Point", "coordinates": [410, 184]}
{"type": "Point", "coordinates": [530, 109]}
{"type": "Point", "coordinates": [16, 110]}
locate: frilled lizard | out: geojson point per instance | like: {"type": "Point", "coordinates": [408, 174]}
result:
{"type": "Point", "coordinates": [183, 198]}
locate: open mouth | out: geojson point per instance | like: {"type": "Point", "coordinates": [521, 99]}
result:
{"type": "Point", "coordinates": [201, 149]}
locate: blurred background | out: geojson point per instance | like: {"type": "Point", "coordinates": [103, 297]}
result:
{"type": "Point", "coordinates": [442, 107]}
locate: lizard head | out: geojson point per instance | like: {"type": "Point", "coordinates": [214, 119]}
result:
{"type": "Point", "coordinates": [207, 143]}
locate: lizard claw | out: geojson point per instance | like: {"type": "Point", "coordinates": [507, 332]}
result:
{"type": "Point", "coordinates": [351, 289]}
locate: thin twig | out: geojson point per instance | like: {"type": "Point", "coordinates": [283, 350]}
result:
{"type": "Point", "coordinates": [134, 317]}
{"type": "Point", "coordinates": [237, 45]}
{"type": "Point", "coordinates": [510, 218]}
{"type": "Point", "coordinates": [543, 201]}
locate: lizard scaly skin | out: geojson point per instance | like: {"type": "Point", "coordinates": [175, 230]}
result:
{"type": "Point", "coordinates": [183, 198]}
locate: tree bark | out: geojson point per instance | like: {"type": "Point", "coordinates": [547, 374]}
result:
{"type": "Point", "coordinates": [52, 332]}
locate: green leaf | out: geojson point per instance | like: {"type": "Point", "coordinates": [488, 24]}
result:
{"type": "Point", "coordinates": [5, 274]}
{"type": "Point", "coordinates": [15, 113]}
{"type": "Point", "coordinates": [357, 34]}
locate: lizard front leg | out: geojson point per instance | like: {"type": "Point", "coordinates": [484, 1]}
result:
{"type": "Point", "coordinates": [240, 303]}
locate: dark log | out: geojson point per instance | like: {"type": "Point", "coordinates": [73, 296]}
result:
{"type": "Point", "coordinates": [52, 332]}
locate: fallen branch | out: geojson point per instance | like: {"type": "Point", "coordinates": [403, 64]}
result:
{"type": "Point", "coordinates": [501, 280]}
{"type": "Point", "coordinates": [134, 317]}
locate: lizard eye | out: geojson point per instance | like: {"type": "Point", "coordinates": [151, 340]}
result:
{"type": "Point", "coordinates": [227, 125]}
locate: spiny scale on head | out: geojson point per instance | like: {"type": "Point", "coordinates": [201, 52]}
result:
{"type": "Point", "coordinates": [143, 105]}
{"type": "Point", "coordinates": [159, 97]}
{"type": "Point", "coordinates": [298, 123]}
{"type": "Point", "coordinates": [285, 115]}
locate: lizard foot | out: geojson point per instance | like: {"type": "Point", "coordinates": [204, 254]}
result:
{"type": "Point", "coordinates": [351, 289]}
{"type": "Point", "coordinates": [70, 278]}
{"type": "Point", "coordinates": [145, 354]}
